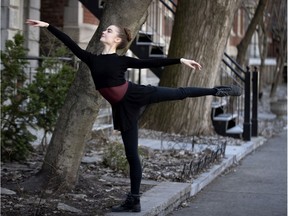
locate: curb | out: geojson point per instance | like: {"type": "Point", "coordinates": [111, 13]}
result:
{"type": "Point", "coordinates": [161, 199]}
{"type": "Point", "coordinates": [240, 152]}
{"type": "Point", "coordinates": [166, 196]}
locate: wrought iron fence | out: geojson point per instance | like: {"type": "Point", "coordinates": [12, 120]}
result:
{"type": "Point", "coordinates": [248, 103]}
{"type": "Point", "coordinates": [160, 22]}
{"type": "Point", "coordinates": [36, 62]}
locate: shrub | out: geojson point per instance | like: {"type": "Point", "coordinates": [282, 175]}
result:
{"type": "Point", "coordinates": [48, 90]}
{"type": "Point", "coordinates": [34, 105]}
{"type": "Point", "coordinates": [15, 137]}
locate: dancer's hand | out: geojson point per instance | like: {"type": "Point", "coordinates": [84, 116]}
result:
{"type": "Point", "coordinates": [191, 63]}
{"type": "Point", "coordinates": [37, 23]}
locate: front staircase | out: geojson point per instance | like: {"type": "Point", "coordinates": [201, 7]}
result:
{"type": "Point", "coordinates": [224, 122]}
{"type": "Point", "coordinates": [143, 46]}
{"type": "Point", "coordinates": [237, 116]}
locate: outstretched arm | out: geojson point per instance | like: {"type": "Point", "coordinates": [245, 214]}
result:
{"type": "Point", "coordinates": [155, 62]}
{"type": "Point", "coordinates": [80, 53]}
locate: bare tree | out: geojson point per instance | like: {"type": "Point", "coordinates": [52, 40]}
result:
{"type": "Point", "coordinates": [263, 49]}
{"type": "Point", "coordinates": [200, 32]}
{"type": "Point", "coordinates": [255, 21]}
{"type": "Point", "coordinates": [64, 153]}
{"type": "Point", "coordinates": [279, 36]}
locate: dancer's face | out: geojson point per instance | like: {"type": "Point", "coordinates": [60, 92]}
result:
{"type": "Point", "coordinates": [110, 36]}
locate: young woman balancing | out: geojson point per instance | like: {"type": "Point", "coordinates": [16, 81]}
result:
{"type": "Point", "coordinates": [126, 98]}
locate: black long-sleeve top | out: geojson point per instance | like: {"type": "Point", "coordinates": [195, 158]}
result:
{"type": "Point", "coordinates": [109, 70]}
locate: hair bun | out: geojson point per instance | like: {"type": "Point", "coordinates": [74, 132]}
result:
{"type": "Point", "coordinates": [128, 34]}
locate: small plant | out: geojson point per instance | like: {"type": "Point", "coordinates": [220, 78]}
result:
{"type": "Point", "coordinates": [15, 137]}
{"type": "Point", "coordinates": [115, 158]}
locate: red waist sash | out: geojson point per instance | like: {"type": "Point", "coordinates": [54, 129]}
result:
{"type": "Point", "coordinates": [114, 94]}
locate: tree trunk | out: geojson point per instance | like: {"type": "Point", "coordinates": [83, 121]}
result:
{"type": "Point", "coordinates": [279, 34]}
{"type": "Point", "coordinates": [64, 153]}
{"type": "Point", "coordinates": [243, 45]}
{"type": "Point", "coordinates": [277, 78]}
{"type": "Point", "coordinates": [263, 48]}
{"type": "Point", "coordinates": [200, 32]}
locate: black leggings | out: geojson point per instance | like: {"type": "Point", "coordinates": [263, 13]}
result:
{"type": "Point", "coordinates": [130, 136]}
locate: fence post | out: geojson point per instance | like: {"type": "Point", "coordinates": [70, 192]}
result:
{"type": "Point", "coordinates": [247, 122]}
{"type": "Point", "coordinates": [255, 103]}
{"type": "Point", "coordinates": [139, 77]}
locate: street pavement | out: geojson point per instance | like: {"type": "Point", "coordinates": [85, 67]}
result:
{"type": "Point", "coordinates": [256, 187]}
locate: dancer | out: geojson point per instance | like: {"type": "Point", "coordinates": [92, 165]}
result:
{"type": "Point", "coordinates": [126, 98]}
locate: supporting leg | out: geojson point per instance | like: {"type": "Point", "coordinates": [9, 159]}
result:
{"type": "Point", "coordinates": [132, 202]}
{"type": "Point", "coordinates": [130, 140]}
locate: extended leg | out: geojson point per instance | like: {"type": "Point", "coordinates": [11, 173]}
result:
{"type": "Point", "coordinates": [168, 94]}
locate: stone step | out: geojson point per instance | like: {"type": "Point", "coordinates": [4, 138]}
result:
{"type": "Point", "coordinates": [238, 129]}
{"type": "Point", "coordinates": [217, 104]}
{"type": "Point", "coordinates": [225, 117]}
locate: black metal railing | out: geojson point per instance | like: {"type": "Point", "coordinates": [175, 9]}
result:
{"type": "Point", "coordinates": [250, 125]}
{"type": "Point", "coordinates": [160, 23]}
{"type": "Point", "coordinates": [35, 62]}
{"type": "Point", "coordinates": [153, 40]}
{"type": "Point", "coordinates": [170, 5]}
{"type": "Point", "coordinates": [255, 97]}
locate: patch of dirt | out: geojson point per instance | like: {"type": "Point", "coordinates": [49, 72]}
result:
{"type": "Point", "coordinates": [93, 195]}
{"type": "Point", "coordinates": [99, 187]}
{"type": "Point", "coordinates": [97, 190]}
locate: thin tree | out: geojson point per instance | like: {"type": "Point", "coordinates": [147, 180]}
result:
{"type": "Point", "coordinates": [263, 50]}
{"type": "Point", "coordinates": [73, 127]}
{"type": "Point", "coordinates": [274, 24]}
{"type": "Point", "coordinates": [279, 36]}
{"type": "Point", "coordinates": [255, 21]}
{"type": "Point", "coordinates": [200, 32]}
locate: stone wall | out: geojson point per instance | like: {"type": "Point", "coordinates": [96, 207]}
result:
{"type": "Point", "coordinates": [13, 16]}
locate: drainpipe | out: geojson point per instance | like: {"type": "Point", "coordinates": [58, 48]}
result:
{"type": "Point", "coordinates": [247, 123]}
{"type": "Point", "coordinates": [255, 103]}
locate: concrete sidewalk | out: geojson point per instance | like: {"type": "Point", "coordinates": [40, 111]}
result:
{"type": "Point", "coordinates": [164, 197]}
{"type": "Point", "coordinates": [258, 186]}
